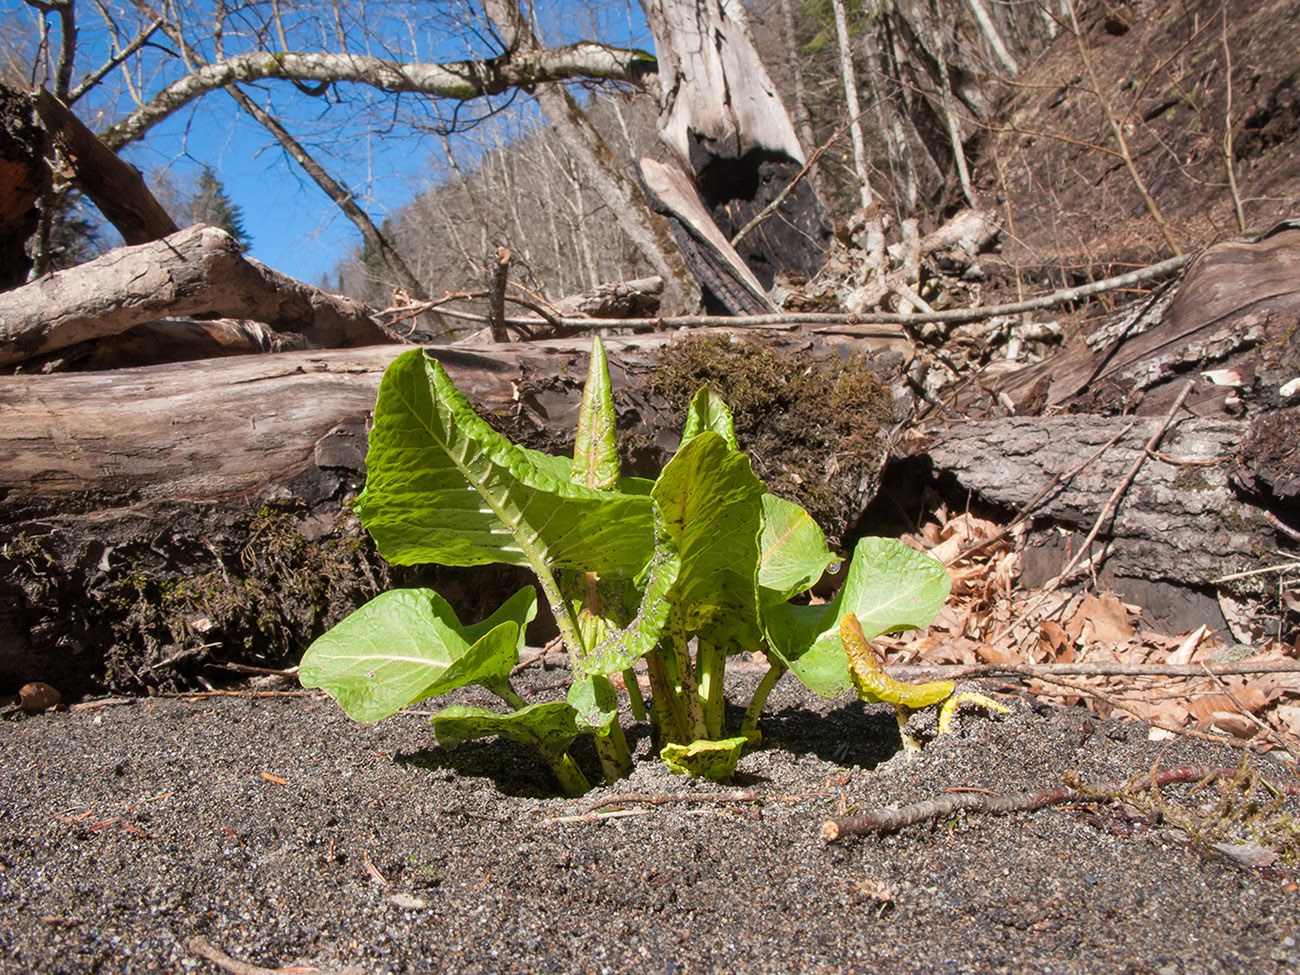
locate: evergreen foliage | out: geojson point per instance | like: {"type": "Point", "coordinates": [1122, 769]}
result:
{"type": "Point", "coordinates": [211, 205]}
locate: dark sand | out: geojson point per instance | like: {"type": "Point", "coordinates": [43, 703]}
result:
{"type": "Point", "coordinates": [129, 829]}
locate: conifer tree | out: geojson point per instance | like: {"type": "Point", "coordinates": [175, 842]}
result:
{"type": "Point", "coordinates": [211, 205]}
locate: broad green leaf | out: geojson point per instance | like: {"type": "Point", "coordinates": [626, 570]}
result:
{"type": "Point", "coordinates": [445, 487]}
{"type": "Point", "coordinates": [794, 549]}
{"type": "Point", "coordinates": [549, 727]}
{"type": "Point", "coordinates": [889, 587]}
{"type": "Point", "coordinates": [714, 760]}
{"type": "Point", "coordinates": [595, 452]}
{"type": "Point", "coordinates": [626, 646]}
{"type": "Point", "coordinates": [708, 412]}
{"type": "Point", "coordinates": [710, 503]}
{"type": "Point", "coordinates": [407, 645]}
{"type": "Point", "coordinates": [595, 700]}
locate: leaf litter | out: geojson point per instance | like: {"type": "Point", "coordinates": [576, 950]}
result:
{"type": "Point", "coordinates": [984, 623]}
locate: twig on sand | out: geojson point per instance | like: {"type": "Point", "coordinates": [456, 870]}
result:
{"type": "Point", "coordinates": [206, 949]}
{"type": "Point", "coordinates": [592, 814]}
{"type": "Point", "coordinates": [884, 820]}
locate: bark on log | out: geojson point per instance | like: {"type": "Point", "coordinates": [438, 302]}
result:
{"type": "Point", "coordinates": [199, 271]}
{"type": "Point", "coordinates": [116, 187]}
{"type": "Point", "coordinates": [156, 521]}
{"type": "Point", "coordinates": [1178, 527]}
{"type": "Point", "coordinates": [24, 178]}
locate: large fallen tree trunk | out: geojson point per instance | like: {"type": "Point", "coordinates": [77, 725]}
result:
{"type": "Point", "coordinates": [156, 520]}
{"type": "Point", "coordinates": [199, 271]}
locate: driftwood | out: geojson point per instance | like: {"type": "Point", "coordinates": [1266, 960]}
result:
{"type": "Point", "coordinates": [156, 520]}
{"type": "Point", "coordinates": [198, 271]}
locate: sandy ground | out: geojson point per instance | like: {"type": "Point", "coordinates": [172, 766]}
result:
{"type": "Point", "coordinates": [285, 835]}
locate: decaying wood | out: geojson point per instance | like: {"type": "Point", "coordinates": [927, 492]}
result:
{"type": "Point", "coordinates": [24, 178]}
{"type": "Point", "coordinates": [114, 186]}
{"type": "Point", "coordinates": [1180, 521]}
{"type": "Point", "coordinates": [730, 106]}
{"type": "Point", "coordinates": [198, 271]}
{"type": "Point", "coordinates": [970, 231]}
{"type": "Point", "coordinates": [712, 259]}
{"type": "Point", "coordinates": [219, 428]}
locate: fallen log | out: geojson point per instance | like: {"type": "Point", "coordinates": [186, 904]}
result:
{"type": "Point", "coordinates": [159, 521]}
{"type": "Point", "coordinates": [199, 271]}
{"type": "Point", "coordinates": [1178, 528]}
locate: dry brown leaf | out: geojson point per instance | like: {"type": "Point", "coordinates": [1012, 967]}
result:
{"type": "Point", "coordinates": [1053, 641]}
{"type": "Point", "coordinates": [1100, 619]}
{"type": "Point", "coordinates": [1233, 723]}
{"type": "Point", "coordinates": [992, 655]}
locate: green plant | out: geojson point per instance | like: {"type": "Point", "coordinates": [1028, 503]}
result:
{"type": "Point", "coordinates": [683, 571]}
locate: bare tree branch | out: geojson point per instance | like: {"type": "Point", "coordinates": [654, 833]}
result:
{"type": "Point", "coordinates": [460, 80]}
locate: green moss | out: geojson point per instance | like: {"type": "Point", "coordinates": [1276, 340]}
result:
{"type": "Point", "coordinates": [1192, 479]}
{"type": "Point", "coordinates": [812, 429]}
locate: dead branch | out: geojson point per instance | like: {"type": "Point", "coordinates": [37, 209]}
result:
{"type": "Point", "coordinates": [957, 672]}
{"type": "Point", "coordinates": [499, 267]}
{"type": "Point", "coordinates": [886, 820]}
{"type": "Point", "coordinates": [114, 186]}
{"type": "Point", "coordinates": [842, 323]}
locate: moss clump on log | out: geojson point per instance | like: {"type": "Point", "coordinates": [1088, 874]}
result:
{"type": "Point", "coordinates": [814, 430]}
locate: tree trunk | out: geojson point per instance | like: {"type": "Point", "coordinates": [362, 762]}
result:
{"type": "Point", "coordinates": [199, 271]}
{"type": "Point", "coordinates": [24, 179]}
{"type": "Point", "coordinates": [721, 117]}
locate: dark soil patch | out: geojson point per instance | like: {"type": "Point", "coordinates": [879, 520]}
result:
{"type": "Point", "coordinates": [263, 824]}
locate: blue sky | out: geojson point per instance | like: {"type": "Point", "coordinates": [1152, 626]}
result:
{"type": "Point", "coordinates": [293, 225]}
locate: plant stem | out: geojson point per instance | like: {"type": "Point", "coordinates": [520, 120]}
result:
{"type": "Point", "coordinates": [503, 690]}
{"type": "Point", "coordinates": [672, 726]}
{"type": "Point", "coordinates": [634, 699]}
{"type": "Point", "coordinates": [710, 665]}
{"type": "Point", "coordinates": [615, 758]}
{"type": "Point", "coordinates": [570, 777]}
{"type": "Point", "coordinates": [685, 690]}
{"type": "Point", "coordinates": [756, 703]}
